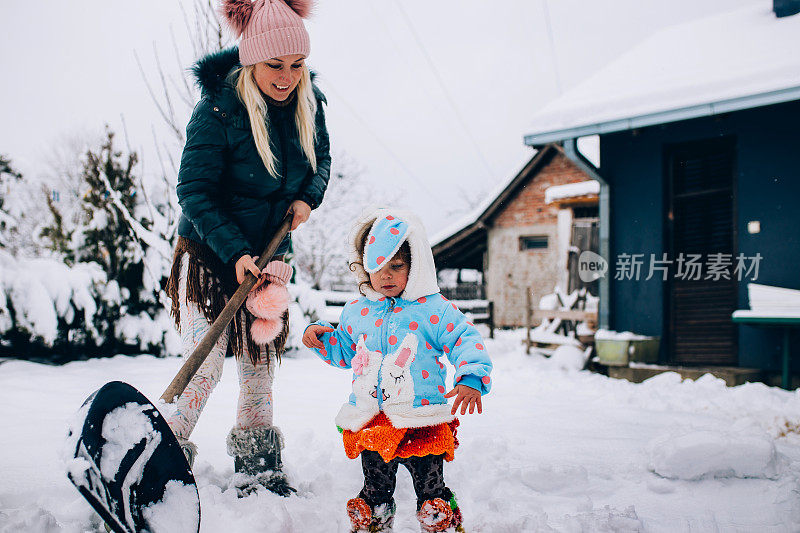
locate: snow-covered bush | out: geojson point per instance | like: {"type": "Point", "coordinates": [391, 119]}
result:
{"type": "Point", "coordinates": [96, 286]}
{"type": "Point", "coordinates": [49, 310]}
{"type": "Point", "coordinates": [12, 207]}
{"type": "Point", "coordinates": [306, 306]}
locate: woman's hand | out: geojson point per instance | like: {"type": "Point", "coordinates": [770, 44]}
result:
{"type": "Point", "coordinates": [467, 397]}
{"type": "Point", "coordinates": [311, 336]}
{"type": "Point", "coordinates": [244, 265]}
{"type": "Point", "coordinates": [301, 212]}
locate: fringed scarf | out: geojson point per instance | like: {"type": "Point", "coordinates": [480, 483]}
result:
{"type": "Point", "coordinates": [209, 284]}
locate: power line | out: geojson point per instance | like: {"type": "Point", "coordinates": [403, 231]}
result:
{"type": "Point", "coordinates": [441, 82]}
{"type": "Point", "coordinates": [377, 139]}
{"type": "Point", "coordinates": [552, 45]}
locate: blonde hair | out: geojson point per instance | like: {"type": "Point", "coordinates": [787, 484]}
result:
{"type": "Point", "coordinates": [305, 112]}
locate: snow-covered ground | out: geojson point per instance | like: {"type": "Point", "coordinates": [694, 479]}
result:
{"type": "Point", "coordinates": [554, 450]}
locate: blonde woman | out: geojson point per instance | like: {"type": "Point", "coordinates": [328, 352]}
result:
{"type": "Point", "coordinates": [256, 149]}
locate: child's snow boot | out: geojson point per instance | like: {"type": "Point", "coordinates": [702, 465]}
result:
{"type": "Point", "coordinates": [257, 460]}
{"type": "Point", "coordinates": [366, 519]}
{"type": "Point", "coordinates": [437, 515]}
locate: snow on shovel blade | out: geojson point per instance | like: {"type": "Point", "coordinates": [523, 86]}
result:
{"type": "Point", "coordinates": [129, 466]}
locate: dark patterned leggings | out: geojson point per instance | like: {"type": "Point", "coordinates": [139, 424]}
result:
{"type": "Point", "coordinates": [380, 478]}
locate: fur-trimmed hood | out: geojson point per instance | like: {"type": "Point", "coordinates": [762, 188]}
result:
{"type": "Point", "coordinates": [403, 226]}
{"type": "Point", "coordinates": [211, 72]}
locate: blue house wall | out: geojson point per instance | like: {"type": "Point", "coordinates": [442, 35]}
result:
{"type": "Point", "coordinates": [767, 189]}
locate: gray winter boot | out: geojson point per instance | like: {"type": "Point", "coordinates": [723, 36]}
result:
{"type": "Point", "coordinates": [257, 462]}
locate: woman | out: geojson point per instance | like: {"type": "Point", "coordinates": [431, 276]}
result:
{"type": "Point", "coordinates": [256, 149]}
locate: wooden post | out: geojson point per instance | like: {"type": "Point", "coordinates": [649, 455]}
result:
{"type": "Point", "coordinates": [528, 315]}
{"type": "Point", "coordinates": [490, 310]}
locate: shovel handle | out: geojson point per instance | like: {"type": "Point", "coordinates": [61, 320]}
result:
{"type": "Point", "coordinates": [193, 362]}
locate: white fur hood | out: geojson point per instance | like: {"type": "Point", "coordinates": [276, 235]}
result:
{"type": "Point", "coordinates": [393, 228]}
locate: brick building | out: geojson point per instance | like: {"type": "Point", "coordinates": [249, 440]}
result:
{"type": "Point", "coordinates": [698, 158]}
{"type": "Point", "coordinates": [516, 239]}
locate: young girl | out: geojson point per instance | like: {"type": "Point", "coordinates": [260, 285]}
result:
{"type": "Point", "coordinates": [392, 337]}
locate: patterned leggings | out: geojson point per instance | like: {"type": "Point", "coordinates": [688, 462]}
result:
{"type": "Point", "coordinates": [380, 477]}
{"type": "Point", "coordinates": [255, 381]}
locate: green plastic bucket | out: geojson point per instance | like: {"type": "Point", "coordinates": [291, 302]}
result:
{"type": "Point", "coordinates": [613, 352]}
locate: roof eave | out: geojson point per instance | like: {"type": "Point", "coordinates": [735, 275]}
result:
{"type": "Point", "coordinates": [577, 201]}
{"type": "Point", "coordinates": [482, 221]}
{"type": "Point", "coordinates": [662, 117]}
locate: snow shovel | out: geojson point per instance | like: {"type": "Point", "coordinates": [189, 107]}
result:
{"type": "Point", "coordinates": [127, 463]}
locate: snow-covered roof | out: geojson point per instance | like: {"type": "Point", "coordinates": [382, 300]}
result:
{"type": "Point", "coordinates": [571, 190]}
{"type": "Point", "coordinates": [473, 215]}
{"type": "Point", "coordinates": [730, 61]}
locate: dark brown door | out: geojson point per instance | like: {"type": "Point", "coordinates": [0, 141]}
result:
{"type": "Point", "coordinates": [701, 236]}
{"type": "Point", "coordinates": [585, 236]}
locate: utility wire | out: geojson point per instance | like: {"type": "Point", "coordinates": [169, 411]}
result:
{"type": "Point", "coordinates": [552, 45]}
{"type": "Point", "coordinates": [449, 98]}
{"type": "Point", "coordinates": [375, 137]}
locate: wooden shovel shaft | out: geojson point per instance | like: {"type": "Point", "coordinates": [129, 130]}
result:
{"type": "Point", "coordinates": [193, 362]}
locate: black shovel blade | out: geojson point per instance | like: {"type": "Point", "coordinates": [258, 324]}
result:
{"type": "Point", "coordinates": [129, 466]}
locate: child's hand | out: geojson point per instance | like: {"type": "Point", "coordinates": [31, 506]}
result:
{"type": "Point", "coordinates": [467, 397]}
{"type": "Point", "coordinates": [311, 336]}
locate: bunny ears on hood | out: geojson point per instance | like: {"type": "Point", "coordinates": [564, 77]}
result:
{"type": "Point", "coordinates": [387, 229]}
{"type": "Point", "coordinates": [268, 28]}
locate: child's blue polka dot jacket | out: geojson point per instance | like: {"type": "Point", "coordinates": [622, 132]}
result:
{"type": "Point", "coordinates": [394, 345]}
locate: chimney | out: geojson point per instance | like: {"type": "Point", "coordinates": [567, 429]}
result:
{"type": "Point", "coordinates": [785, 8]}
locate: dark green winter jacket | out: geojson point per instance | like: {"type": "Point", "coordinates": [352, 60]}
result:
{"type": "Point", "coordinates": [228, 199]}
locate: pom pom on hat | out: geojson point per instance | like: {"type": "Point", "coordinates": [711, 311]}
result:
{"type": "Point", "coordinates": [301, 7]}
{"type": "Point", "coordinates": [237, 13]}
{"type": "Point", "coordinates": [268, 28]}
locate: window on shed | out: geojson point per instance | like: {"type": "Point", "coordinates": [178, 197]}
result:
{"type": "Point", "coordinates": [532, 242]}
{"type": "Point", "coordinates": [589, 211]}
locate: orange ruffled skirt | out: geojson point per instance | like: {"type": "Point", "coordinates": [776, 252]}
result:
{"type": "Point", "coordinates": [379, 435]}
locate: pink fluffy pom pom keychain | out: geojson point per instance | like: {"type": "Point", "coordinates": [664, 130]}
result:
{"type": "Point", "coordinates": [265, 330]}
{"type": "Point", "coordinates": [269, 302]}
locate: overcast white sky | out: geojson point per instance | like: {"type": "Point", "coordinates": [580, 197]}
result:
{"type": "Point", "coordinates": [429, 96]}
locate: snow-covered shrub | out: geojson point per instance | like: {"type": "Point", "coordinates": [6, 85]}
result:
{"type": "Point", "coordinates": [20, 199]}
{"type": "Point", "coordinates": [99, 288]}
{"type": "Point", "coordinates": [306, 306]}
{"type": "Point", "coordinates": [53, 311]}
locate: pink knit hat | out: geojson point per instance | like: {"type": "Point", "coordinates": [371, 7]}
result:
{"type": "Point", "coordinates": [268, 28]}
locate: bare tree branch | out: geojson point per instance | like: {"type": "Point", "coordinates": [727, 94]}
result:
{"type": "Point", "coordinates": [167, 93]}
{"type": "Point", "coordinates": [164, 115]}
{"type": "Point", "coordinates": [186, 91]}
